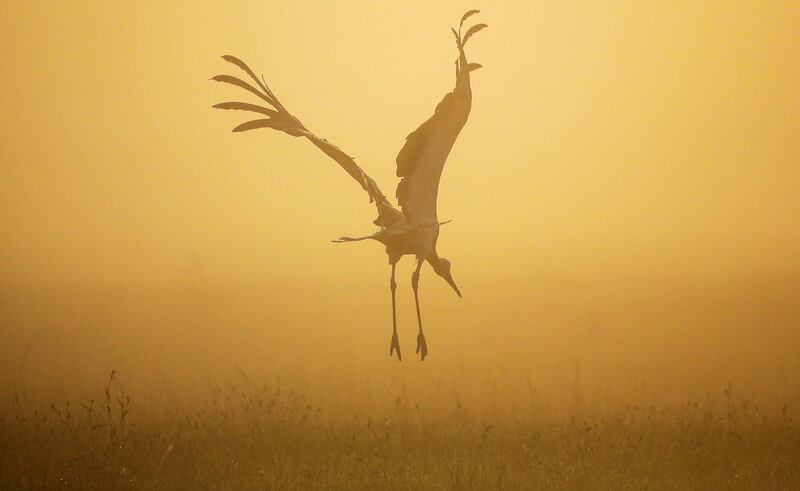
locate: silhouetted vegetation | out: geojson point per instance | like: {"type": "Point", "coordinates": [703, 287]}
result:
{"type": "Point", "coordinates": [269, 437]}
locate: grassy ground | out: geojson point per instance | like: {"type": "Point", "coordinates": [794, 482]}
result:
{"type": "Point", "coordinates": [269, 438]}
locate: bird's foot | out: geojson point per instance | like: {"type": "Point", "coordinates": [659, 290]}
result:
{"type": "Point", "coordinates": [422, 347]}
{"type": "Point", "coordinates": [395, 347]}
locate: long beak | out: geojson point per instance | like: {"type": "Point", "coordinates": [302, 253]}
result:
{"type": "Point", "coordinates": [452, 283]}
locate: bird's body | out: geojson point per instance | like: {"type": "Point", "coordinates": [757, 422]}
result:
{"type": "Point", "coordinates": [419, 242]}
{"type": "Point", "coordinates": [414, 229]}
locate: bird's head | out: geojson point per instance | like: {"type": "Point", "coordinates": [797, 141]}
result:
{"type": "Point", "coordinates": [442, 267]}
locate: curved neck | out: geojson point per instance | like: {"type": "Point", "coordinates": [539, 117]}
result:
{"type": "Point", "coordinates": [435, 261]}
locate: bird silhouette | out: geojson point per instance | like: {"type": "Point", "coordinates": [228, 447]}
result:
{"type": "Point", "coordinates": [414, 228]}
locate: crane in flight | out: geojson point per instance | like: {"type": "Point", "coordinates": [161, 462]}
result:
{"type": "Point", "coordinates": [414, 228]}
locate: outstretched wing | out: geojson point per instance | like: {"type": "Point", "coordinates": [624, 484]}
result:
{"type": "Point", "coordinates": [421, 160]}
{"type": "Point", "coordinates": [279, 118]}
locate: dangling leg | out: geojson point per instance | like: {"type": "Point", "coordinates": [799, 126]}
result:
{"type": "Point", "coordinates": [422, 346]}
{"type": "Point", "coordinates": [395, 343]}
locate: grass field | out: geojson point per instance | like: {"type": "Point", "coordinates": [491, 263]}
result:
{"type": "Point", "coordinates": [269, 437]}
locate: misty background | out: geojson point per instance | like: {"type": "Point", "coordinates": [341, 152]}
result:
{"type": "Point", "coordinates": [625, 201]}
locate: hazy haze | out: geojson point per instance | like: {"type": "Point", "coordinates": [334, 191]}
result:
{"type": "Point", "coordinates": [625, 198]}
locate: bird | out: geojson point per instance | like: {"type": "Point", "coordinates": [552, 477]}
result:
{"type": "Point", "coordinates": [413, 229]}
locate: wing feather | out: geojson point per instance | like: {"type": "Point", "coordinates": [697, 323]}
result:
{"type": "Point", "coordinates": [422, 158]}
{"type": "Point", "coordinates": [424, 153]}
{"type": "Point", "coordinates": [280, 119]}
{"type": "Point", "coordinates": [467, 15]}
{"type": "Point", "coordinates": [472, 30]}
{"type": "Point", "coordinates": [243, 106]}
{"type": "Point", "coordinates": [229, 79]}
{"type": "Point", "coordinates": [270, 123]}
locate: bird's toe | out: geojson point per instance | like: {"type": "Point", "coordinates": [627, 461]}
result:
{"type": "Point", "coordinates": [422, 347]}
{"type": "Point", "coordinates": [395, 346]}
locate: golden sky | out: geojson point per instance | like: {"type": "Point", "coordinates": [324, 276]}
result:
{"type": "Point", "coordinates": [641, 137]}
